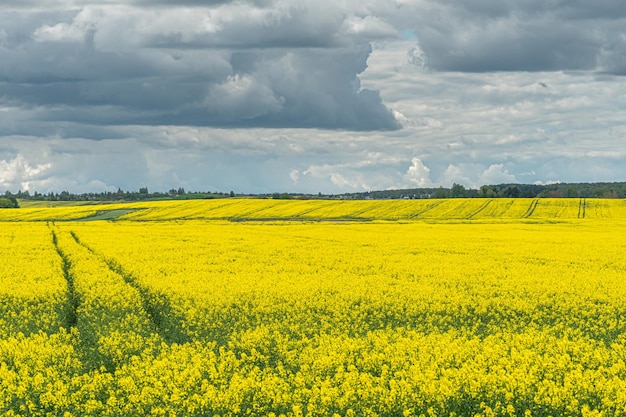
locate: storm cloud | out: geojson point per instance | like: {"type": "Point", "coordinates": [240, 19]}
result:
{"type": "Point", "coordinates": [230, 65]}
{"type": "Point", "coordinates": [273, 95]}
{"type": "Point", "coordinates": [481, 36]}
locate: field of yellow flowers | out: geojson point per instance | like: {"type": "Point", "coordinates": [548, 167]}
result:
{"type": "Point", "coordinates": [315, 308]}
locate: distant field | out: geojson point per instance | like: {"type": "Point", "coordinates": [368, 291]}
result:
{"type": "Point", "coordinates": [240, 307]}
{"type": "Point", "coordinates": [40, 204]}
{"type": "Point", "coordinates": [320, 210]}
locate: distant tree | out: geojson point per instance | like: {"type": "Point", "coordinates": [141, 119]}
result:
{"type": "Point", "coordinates": [7, 203]}
{"type": "Point", "coordinates": [609, 194]}
{"type": "Point", "coordinates": [486, 192]}
{"type": "Point", "coordinates": [571, 192]}
{"type": "Point", "coordinates": [441, 193]}
{"type": "Point", "coordinates": [143, 190]}
{"type": "Point", "coordinates": [550, 194]}
{"type": "Point", "coordinates": [12, 201]}
{"type": "Point", "coordinates": [511, 191]}
{"type": "Point", "coordinates": [458, 191]}
{"type": "Point", "coordinates": [232, 193]}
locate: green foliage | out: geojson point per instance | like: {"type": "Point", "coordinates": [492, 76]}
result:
{"type": "Point", "coordinates": [441, 193]}
{"type": "Point", "coordinates": [281, 196]}
{"type": "Point", "coordinates": [458, 191]}
{"type": "Point", "coordinates": [558, 190]}
{"type": "Point", "coordinates": [511, 191]}
{"type": "Point", "coordinates": [8, 202]}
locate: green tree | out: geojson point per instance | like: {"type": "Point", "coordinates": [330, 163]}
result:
{"type": "Point", "coordinates": [12, 199]}
{"type": "Point", "coordinates": [487, 192]}
{"type": "Point", "coordinates": [7, 203]}
{"type": "Point", "coordinates": [458, 191]}
{"type": "Point", "coordinates": [441, 193]}
{"type": "Point", "coordinates": [512, 191]}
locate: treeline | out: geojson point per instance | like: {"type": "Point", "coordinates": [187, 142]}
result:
{"type": "Point", "coordinates": [559, 190]}
{"type": "Point", "coordinates": [119, 195]}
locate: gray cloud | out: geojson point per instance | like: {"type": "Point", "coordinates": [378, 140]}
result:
{"type": "Point", "coordinates": [479, 36]}
{"type": "Point", "coordinates": [231, 65]}
{"type": "Point", "coordinates": [264, 96]}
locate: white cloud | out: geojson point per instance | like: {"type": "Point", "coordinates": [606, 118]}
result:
{"type": "Point", "coordinates": [549, 182]}
{"type": "Point", "coordinates": [19, 173]}
{"type": "Point", "coordinates": [82, 25]}
{"type": "Point", "coordinates": [294, 174]}
{"type": "Point", "coordinates": [454, 174]}
{"type": "Point", "coordinates": [353, 176]}
{"type": "Point", "coordinates": [243, 96]}
{"type": "Point", "coordinates": [342, 182]}
{"type": "Point", "coordinates": [496, 174]}
{"type": "Point", "coordinates": [418, 174]}
{"type": "Point", "coordinates": [371, 27]}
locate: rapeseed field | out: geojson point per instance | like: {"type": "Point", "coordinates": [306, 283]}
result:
{"type": "Point", "coordinates": [485, 307]}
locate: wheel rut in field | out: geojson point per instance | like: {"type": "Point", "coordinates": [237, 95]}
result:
{"type": "Point", "coordinates": [582, 208]}
{"type": "Point", "coordinates": [479, 209]}
{"type": "Point", "coordinates": [424, 210]}
{"type": "Point", "coordinates": [157, 307]}
{"type": "Point", "coordinates": [106, 314]}
{"type": "Point", "coordinates": [72, 316]}
{"type": "Point", "coordinates": [531, 209]}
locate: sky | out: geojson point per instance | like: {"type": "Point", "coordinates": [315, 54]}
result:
{"type": "Point", "coordinates": [310, 96]}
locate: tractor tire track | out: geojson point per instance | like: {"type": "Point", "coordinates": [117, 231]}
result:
{"type": "Point", "coordinates": [72, 315]}
{"type": "Point", "coordinates": [531, 209]}
{"type": "Point", "coordinates": [479, 209]}
{"type": "Point", "coordinates": [424, 210]}
{"type": "Point", "coordinates": [157, 306]}
{"type": "Point", "coordinates": [584, 203]}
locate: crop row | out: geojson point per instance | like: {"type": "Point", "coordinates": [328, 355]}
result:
{"type": "Point", "coordinates": [429, 210]}
{"type": "Point", "coordinates": [320, 319]}
{"type": "Point", "coordinates": [315, 210]}
{"type": "Point", "coordinates": [33, 293]}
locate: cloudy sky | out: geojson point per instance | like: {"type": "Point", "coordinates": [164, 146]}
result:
{"type": "Point", "coordinates": [310, 95]}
